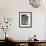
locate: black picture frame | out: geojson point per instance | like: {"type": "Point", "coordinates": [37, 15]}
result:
{"type": "Point", "coordinates": [25, 19]}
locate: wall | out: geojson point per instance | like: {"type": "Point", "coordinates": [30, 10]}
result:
{"type": "Point", "coordinates": [11, 8]}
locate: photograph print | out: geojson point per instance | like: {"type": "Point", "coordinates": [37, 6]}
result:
{"type": "Point", "coordinates": [25, 19]}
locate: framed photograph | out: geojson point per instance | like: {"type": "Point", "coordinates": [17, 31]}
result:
{"type": "Point", "coordinates": [25, 19]}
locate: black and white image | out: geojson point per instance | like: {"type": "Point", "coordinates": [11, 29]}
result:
{"type": "Point", "coordinates": [25, 19]}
